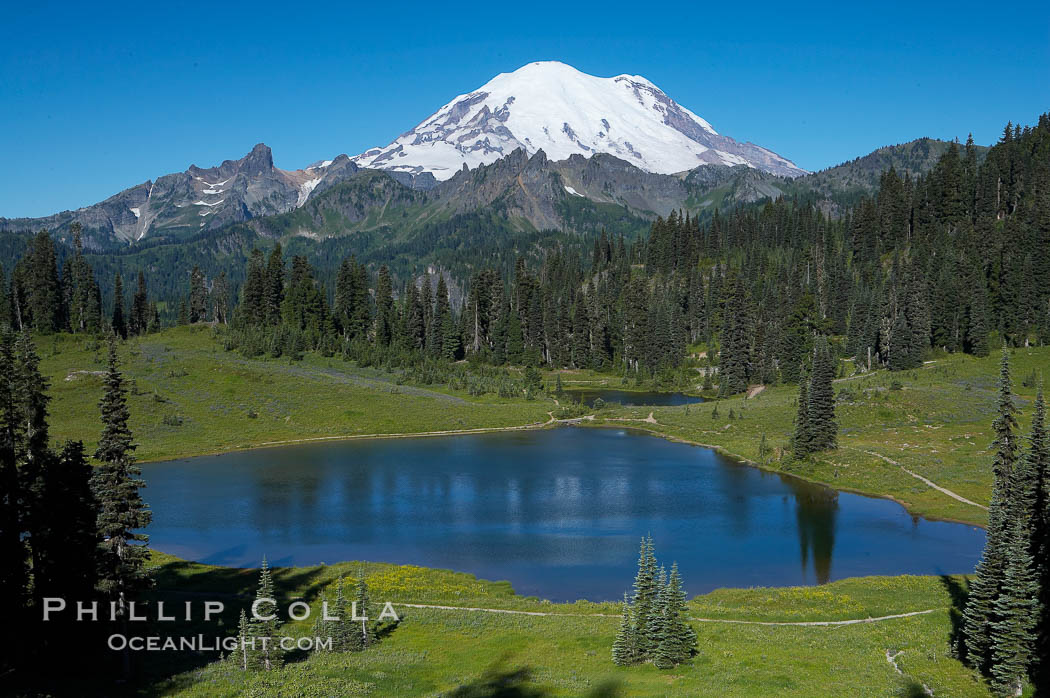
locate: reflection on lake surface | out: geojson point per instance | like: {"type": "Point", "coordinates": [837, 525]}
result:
{"type": "Point", "coordinates": [631, 398]}
{"type": "Point", "coordinates": [557, 512]}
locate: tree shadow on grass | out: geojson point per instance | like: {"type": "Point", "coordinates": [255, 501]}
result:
{"type": "Point", "coordinates": [387, 628]}
{"type": "Point", "coordinates": [180, 581]}
{"type": "Point", "coordinates": [914, 689]}
{"type": "Point", "coordinates": [958, 595]}
{"type": "Point", "coordinates": [498, 681]}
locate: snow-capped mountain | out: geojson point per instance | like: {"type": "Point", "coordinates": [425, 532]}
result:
{"type": "Point", "coordinates": [553, 107]}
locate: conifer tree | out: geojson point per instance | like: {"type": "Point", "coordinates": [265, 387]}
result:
{"type": "Point", "coordinates": [1039, 461]}
{"type": "Point", "coordinates": [646, 592]}
{"type": "Point", "coordinates": [384, 330]}
{"type": "Point", "coordinates": [661, 652]}
{"type": "Point", "coordinates": [39, 273]}
{"type": "Point", "coordinates": [33, 457]}
{"type": "Point", "coordinates": [184, 313]}
{"type": "Point", "coordinates": [69, 536]}
{"type": "Point", "coordinates": [363, 635]}
{"type": "Point", "coordinates": [1013, 632]}
{"type": "Point", "coordinates": [198, 307]}
{"type": "Point", "coordinates": [122, 514]}
{"type": "Point", "coordinates": [625, 646]}
{"type": "Point", "coordinates": [322, 627]}
{"type": "Point", "coordinates": [800, 438]}
{"type": "Point", "coordinates": [343, 629]}
{"type": "Point", "coordinates": [443, 324]}
{"type": "Point", "coordinates": [265, 622]}
{"type": "Point", "coordinates": [253, 291]}
{"type": "Point", "coordinates": [139, 316]}
{"type": "Point", "coordinates": [677, 640]}
{"type": "Point", "coordinates": [977, 327]}
{"type": "Point", "coordinates": [426, 301]}
{"type": "Point", "coordinates": [220, 298]}
{"type": "Point", "coordinates": [980, 612]}
{"type": "Point", "coordinates": [273, 286]}
{"type": "Point", "coordinates": [244, 639]}
{"type": "Point", "coordinates": [117, 320]}
{"type": "Point", "coordinates": [734, 359]}
{"type": "Point", "coordinates": [13, 572]}
{"type": "Point", "coordinates": [85, 311]}
{"type": "Point", "coordinates": [820, 418]}
{"type": "Point", "coordinates": [900, 352]}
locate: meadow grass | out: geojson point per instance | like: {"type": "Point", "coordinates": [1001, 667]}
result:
{"type": "Point", "coordinates": [190, 397]}
{"type": "Point", "coordinates": [435, 652]}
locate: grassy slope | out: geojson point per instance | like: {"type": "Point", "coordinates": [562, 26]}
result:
{"type": "Point", "coordinates": [183, 372]}
{"type": "Point", "coordinates": [938, 426]}
{"type": "Point", "coordinates": [434, 651]}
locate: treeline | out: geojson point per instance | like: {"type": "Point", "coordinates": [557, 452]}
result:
{"type": "Point", "coordinates": [67, 530]}
{"type": "Point", "coordinates": [46, 298]}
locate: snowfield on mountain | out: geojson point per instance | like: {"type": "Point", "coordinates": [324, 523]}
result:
{"type": "Point", "coordinates": [553, 107]}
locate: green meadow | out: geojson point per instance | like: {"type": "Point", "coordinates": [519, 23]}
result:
{"type": "Point", "coordinates": [461, 652]}
{"type": "Point", "coordinates": [190, 397]}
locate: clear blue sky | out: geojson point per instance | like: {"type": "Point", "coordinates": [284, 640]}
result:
{"type": "Point", "coordinates": [95, 100]}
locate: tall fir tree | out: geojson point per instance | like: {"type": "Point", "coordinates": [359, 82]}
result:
{"type": "Point", "coordinates": [625, 646]}
{"type": "Point", "coordinates": [43, 289]}
{"type": "Point", "coordinates": [820, 417]}
{"type": "Point", "coordinates": [343, 628]}
{"type": "Point", "coordinates": [198, 306]}
{"type": "Point", "coordinates": [118, 320]}
{"type": "Point", "coordinates": [678, 640]}
{"type": "Point", "coordinates": [13, 572]}
{"type": "Point", "coordinates": [980, 612]}
{"type": "Point", "coordinates": [138, 319]}
{"type": "Point", "coordinates": [123, 551]}
{"type": "Point", "coordinates": [800, 438]}
{"type": "Point", "coordinates": [385, 320]}
{"type": "Point", "coordinates": [265, 622]}
{"type": "Point", "coordinates": [1039, 460]}
{"type": "Point", "coordinates": [244, 636]}
{"type": "Point", "coordinates": [645, 597]}
{"type": "Point", "coordinates": [1013, 632]}
{"type": "Point", "coordinates": [361, 632]}
{"type": "Point", "coordinates": [273, 286]}
{"type": "Point", "coordinates": [734, 359]}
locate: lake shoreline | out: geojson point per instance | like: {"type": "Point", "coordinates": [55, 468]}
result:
{"type": "Point", "coordinates": [590, 421]}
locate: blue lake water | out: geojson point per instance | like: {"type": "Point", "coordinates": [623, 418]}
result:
{"type": "Point", "coordinates": [558, 512]}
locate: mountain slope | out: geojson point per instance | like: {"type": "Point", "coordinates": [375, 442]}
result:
{"type": "Point", "coordinates": [198, 199]}
{"type": "Point", "coordinates": [844, 184]}
{"type": "Point", "coordinates": [555, 108]}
